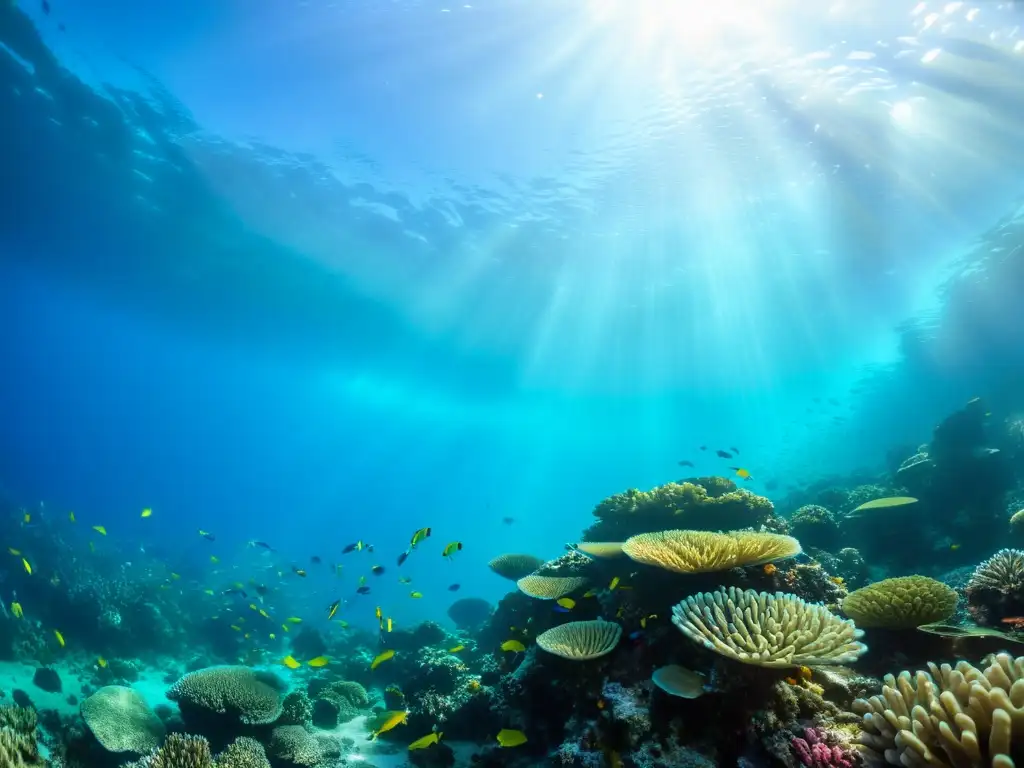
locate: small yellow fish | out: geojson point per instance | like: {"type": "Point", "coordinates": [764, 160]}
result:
{"type": "Point", "coordinates": [618, 613]}
{"type": "Point", "coordinates": [645, 619]}
{"type": "Point", "coordinates": [415, 595]}
{"type": "Point", "coordinates": [264, 614]}
{"type": "Point", "coordinates": [175, 576]}
{"type": "Point", "coordinates": [147, 512]}
{"type": "Point", "coordinates": [381, 659]}
{"type": "Point", "coordinates": [741, 472]}
{"type": "Point", "coordinates": [273, 636]}
{"type": "Point", "coordinates": [293, 620]}
{"type": "Point", "coordinates": [214, 559]}
{"type": "Point", "coordinates": [379, 613]}
{"type": "Point", "coordinates": [100, 530]}
{"type": "Point", "coordinates": [28, 568]}
{"type": "Point", "coordinates": [14, 551]}
{"type": "Point", "coordinates": [319, 661]}
{"type": "Point", "coordinates": [290, 662]}
{"type": "Point", "coordinates": [954, 547]}
{"type": "Point", "coordinates": [59, 636]}
{"type": "Point", "coordinates": [427, 741]}
{"type": "Point", "coordinates": [16, 610]}
{"type": "Point", "coordinates": [246, 635]}
{"type": "Point", "coordinates": [614, 584]}
{"type": "Point", "coordinates": [513, 645]}
{"type": "Point", "coordinates": [388, 721]}
{"type": "Point", "coordinates": [451, 549]}
{"type": "Point", "coordinates": [27, 519]}
{"type": "Point", "coordinates": [566, 602]}
{"type": "Point", "coordinates": [102, 662]}
{"type": "Point", "coordinates": [285, 628]}
{"type": "Point", "coordinates": [71, 516]}
{"type": "Point", "coordinates": [253, 606]}
{"type": "Point", "coordinates": [590, 593]}
{"type": "Point", "coordinates": [389, 625]}
{"type": "Point", "coordinates": [236, 627]}
{"type": "Point", "coordinates": [209, 591]}
{"type": "Point", "coordinates": [456, 649]}
{"type": "Point", "coordinates": [510, 738]}
{"type": "Point", "coordinates": [342, 623]}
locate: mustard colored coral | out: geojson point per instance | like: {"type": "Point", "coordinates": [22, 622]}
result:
{"type": "Point", "coordinates": [961, 717]}
{"type": "Point", "coordinates": [707, 552]}
{"type": "Point", "coordinates": [550, 587]}
{"type": "Point", "coordinates": [581, 640]}
{"type": "Point", "coordinates": [514, 566]}
{"type": "Point", "coordinates": [701, 504]}
{"type": "Point", "coordinates": [768, 630]}
{"type": "Point", "coordinates": [903, 602]}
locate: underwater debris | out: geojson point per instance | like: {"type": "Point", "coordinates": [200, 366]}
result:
{"type": "Point", "coordinates": [768, 630]}
{"type": "Point", "coordinates": [903, 602]}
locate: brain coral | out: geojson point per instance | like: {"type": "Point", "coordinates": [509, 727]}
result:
{"type": "Point", "coordinates": [948, 716]}
{"type": "Point", "coordinates": [241, 693]}
{"type": "Point", "coordinates": [243, 752]}
{"type": "Point", "coordinates": [904, 602]}
{"type": "Point", "coordinates": [121, 720]}
{"type": "Point", "coordinates": [581, 640]}
{"type": "Point", "coordinates": [698, 505]}
{"type": "Point", "coordinates": [706, 552]}
{"type": "Point", "coordinates": [767, 630]}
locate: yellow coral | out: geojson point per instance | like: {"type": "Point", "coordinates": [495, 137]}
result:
{"type": "Point", "coordinates": [550, 587]}
{"type": "Point", "coordinates": [767, 630]}
{"type": "Point", "coordinates": [19, 749]}
{"type": "Point", "coordinates": [603, 550]}
{"type": "Point", "coordinates": [581, 640]}
{"type": "Point", "coordinates": [903, 602]}
{"type": "Point", "coordinates": [961, 717]}
{"type": "Point", "coordinates": [706, 552]}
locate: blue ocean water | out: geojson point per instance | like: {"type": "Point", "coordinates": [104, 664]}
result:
{"type": "Point", "coordinates": [311, 273]}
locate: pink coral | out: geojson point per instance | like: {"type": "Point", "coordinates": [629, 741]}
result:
{"type": "Point", "coordinates": [814, 752]}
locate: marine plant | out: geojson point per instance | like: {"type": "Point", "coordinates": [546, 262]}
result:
{"type": "Point", "coordinates": [768, 630]}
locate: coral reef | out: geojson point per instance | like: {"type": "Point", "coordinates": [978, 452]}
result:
{"type": "Point", "coordinates": [903, 602]}
{"type": "Point", "coordinates": [122, 721]}
{"type": "Point", "coordinates": [231, 693]}
{"type": "Point", "coordinates": [815, 526]}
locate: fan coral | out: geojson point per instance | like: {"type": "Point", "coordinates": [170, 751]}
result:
{"type": "Point", "coordinates": [550, 587]}
{"type": "Point", "coordinates": [904, 602]}
{"type": "Point", "coordinates": [813, 751]}
{"type": "Point", "coordinates": [949, 716]}
{"type": "Point", "coordinates": [815, 526]}
{"type": "Point", "coordinates": [515, 566]}
{"type": "Point", "coordinates": [243, 752]}
{"type": "Point", "coordinates": [695, 505]}
{"type": "Point", "coordinates": [121, 720]}
{"type": "Point", "coordinates": [581, 640]}
{"type": "Point", "coordinates": [767, 630]}
{"type": "Point", "coordinates": [240, 692]}
{"type": "Point", "coordinates": [704, 552]}
{"type": "Point", "coordinates": [182, 751]}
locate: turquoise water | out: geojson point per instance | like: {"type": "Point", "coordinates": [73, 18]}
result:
{"type": "Point", "coordinates": [315, 273]}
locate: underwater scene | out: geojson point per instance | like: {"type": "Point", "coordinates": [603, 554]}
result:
{"type": "Point", "coordinates": [511, 383]}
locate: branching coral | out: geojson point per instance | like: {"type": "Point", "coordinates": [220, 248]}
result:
{"type": "Point", "coordinates": [250, 696]}
{"type": "Point", "coordinates": [904, 602]}
{"type": "Point", "coordinates": [960, 716]}
{"type": "Point", "coordinates": [767, 630]}
{"type": "Point", "coordinates": [698, 505]}
{"type": "Point", "coordinates": [183, 751]}
{"type": "Point", "coordinates": [18, 750]}
{"type": "Point", "coordinates": [813, 751]}
{"type": "Point", "coordinates": [705, 552]}
{"type": "Point", "coordinates": [996, 588]}
{"type": "Point", "coordinates": [243, 753]}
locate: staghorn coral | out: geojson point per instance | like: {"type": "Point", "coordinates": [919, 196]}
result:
{"type": "Point", "coordinates": [514, 566]}
{"type": "Point", "coordinates": [19, 749]}
{"type": "Point", "coordinates": [904, 602]}
{"type": "Point", "coordinates": [960, 716]}
{"type": "Point", "coordinates": [121, 720]}
{"type": "Point", "coordinates": [581, 640]}
{"type": "Point", "coordinates": [767, 630]}
{"type": "Point", "coordinates": [705, 552]}
{"type": "Point", "coordinates": [182, 751]}
{"type": "Point", "coordinates": [243, 752]}
{"type": "Point", "coordinates": [238, 692]}
{"type": "Point", "coordinates": [550, 587]}
{"type": "Point", "coordinates": [703, 504]}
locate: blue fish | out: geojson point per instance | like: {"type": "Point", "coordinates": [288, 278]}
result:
{"type": "Point", "coordinates": [560, 609]}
